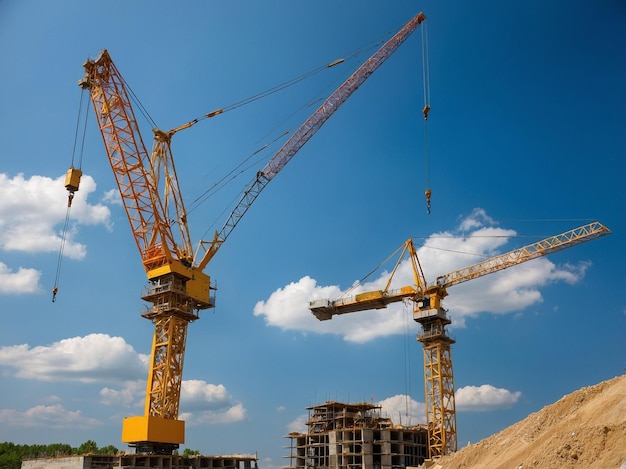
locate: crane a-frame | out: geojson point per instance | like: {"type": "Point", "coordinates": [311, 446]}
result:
{"type": "Point", "coordinates": [148, 184]}
{"type": "Point", "coordinates": [429, 312]}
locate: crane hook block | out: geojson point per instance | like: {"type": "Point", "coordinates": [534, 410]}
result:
{"type": "Point", "coordinates": [428, 193]}
{"type": "Point", "coordinates": [72, 179]}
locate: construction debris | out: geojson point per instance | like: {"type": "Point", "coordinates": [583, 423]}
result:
{"type": "Point", "coordinates": [584, 429]}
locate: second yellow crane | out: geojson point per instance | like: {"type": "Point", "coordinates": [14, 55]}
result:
{"type": "Point", "coordinates": [428, 310]}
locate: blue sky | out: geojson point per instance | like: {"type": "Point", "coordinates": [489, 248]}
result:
{"type": "Point", "coordinates": [526, 140]}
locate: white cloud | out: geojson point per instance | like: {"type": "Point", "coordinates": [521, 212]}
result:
{"type": "Point", "coordinates": [24, 280]}
{"type": "Point", "coordinates": [33, 210]}
{"type": "Point", "coordinates": [476, 219]}
{"type": "Point", "coordinates": [93, 358]}
{"type": "Point", "coordinates": [510, 290]}
{"type": "Point", "coordinates": [205, 403]}
{"type": "Point", "coordinates": [132, 394]}
{"type": "Point", "coordinates": [402, 409]}
{"type": "Point", "coordinates": [299, 424]}
{"type": "Point", "coordinates": [485, 398]}
{"type": "Point", "coordinates": [52, 416]}
{"type": "Point", "coordinates": [287, 308]}
{"type": "Point", "coordinates": [100, 358]}
{"type": "Point", "coordinates": [197, 394]}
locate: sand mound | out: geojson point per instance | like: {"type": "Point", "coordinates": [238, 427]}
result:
{"type": "Point", "coordinates": [584, 429]}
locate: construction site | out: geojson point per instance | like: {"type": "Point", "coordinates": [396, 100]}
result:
{"type": "Point", "coordinates": [339, 435]}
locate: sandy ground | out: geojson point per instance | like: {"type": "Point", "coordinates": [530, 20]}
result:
{"type": "Point", "coordinates": [585, 429]}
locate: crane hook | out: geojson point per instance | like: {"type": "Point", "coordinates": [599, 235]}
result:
{"type": "Point", "coordinates": [428, 193]}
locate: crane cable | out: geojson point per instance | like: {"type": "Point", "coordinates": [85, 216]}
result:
{"type": "Point", "coordinates": [71, 190]}
{"type": "Point", "coordinates": [425, 111]}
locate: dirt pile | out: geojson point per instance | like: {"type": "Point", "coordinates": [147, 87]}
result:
{"type": "Point", "coordinates": [584, 429]}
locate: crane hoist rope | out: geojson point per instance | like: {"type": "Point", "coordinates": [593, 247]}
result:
{"type": "Point", "coordinates": [230, 176]}
{"type": "Point", "coordinates": [72, 182]}
{"type": "Point", "coordinates": [425, 111]}
{"type": "Point", "coordinates": [256, 97]}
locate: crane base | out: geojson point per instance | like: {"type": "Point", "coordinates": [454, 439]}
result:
{"type": "Point", "coordinates": [153, 433]}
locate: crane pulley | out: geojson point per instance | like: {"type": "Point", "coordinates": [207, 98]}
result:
{"type": "Point", "coordinates": [148, 184]}
{"type": "Point", "coordinates": [429, 312]}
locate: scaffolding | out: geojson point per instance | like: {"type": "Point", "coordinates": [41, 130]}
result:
{"type": "Point", "coordinates": [355, 436]}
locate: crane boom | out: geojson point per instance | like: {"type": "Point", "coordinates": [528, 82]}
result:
{"type": "Point", "coordinates": [429, 312]}
{"type": "Point", "coordinates": [541, 248]}
{"type": "Point", "coordinates": [324, 309]}
{"type": "Point", "coordinates": [306, 131]}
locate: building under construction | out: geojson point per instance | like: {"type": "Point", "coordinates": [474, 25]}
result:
{"type": "Point", "coordinates": [355, 436]}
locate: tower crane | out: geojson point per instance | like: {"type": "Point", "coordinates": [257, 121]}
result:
{"type": "Point", "coordinates": [429, 312]}
{"type": "Point", "coordinates": [178, 288]}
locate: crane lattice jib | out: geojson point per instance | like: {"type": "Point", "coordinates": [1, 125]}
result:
{"type": "Point", "coordinates": [541, 248]}
{"type": "Point", "coordinates": [307, 130]}
{"type": "Point", "coordinates": [129, 161]}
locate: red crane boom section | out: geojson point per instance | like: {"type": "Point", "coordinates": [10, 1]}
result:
{"type": "Point", "coordinates": [130, 162]}
{"type": "Point", "coordinates": [306, 131]}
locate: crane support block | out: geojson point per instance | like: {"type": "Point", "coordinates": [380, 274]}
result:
{"type": "Point", "coordinates": [149, 428]}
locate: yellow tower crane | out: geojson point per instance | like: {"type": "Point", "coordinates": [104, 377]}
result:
{"type": "Point", "coordinates": [178, 288]}
{"type": "Point", "coordinates": [429, 312]}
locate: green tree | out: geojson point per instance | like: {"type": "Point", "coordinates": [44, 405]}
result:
{"type": "Point", "coordinates": [110, 449]}
{"type": "Point", "coordinates": [88, 447]}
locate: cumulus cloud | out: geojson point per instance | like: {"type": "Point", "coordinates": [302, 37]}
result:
{"type": "Point", "coordinates": [485, 398]}
{"type": "Point", "coordinates": [132, 394]}
{"type": "Point", "coordinates": [205, 403]}
{"type": "Point", "coordinates": [402, 409]}
{"type": "Point", "coordinates": [32, 211]}
{"type": "Point", "coordinates": [475, 239]}
{"type": "Point", "coordinates": [21, 281]}
{"type": "Point", "coordinates": [287, 308]}
{"type": "Point", "coordinates": [52, 416]}
{"type": "Point", "coordinates": [299, 424]}
{"type": "Point", "coordinates": [89, 359]}
{"type": "Point", "coordinates": [100, 358]}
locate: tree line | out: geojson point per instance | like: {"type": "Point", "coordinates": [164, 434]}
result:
{"type": "Point", "coordinates": [11, 455]}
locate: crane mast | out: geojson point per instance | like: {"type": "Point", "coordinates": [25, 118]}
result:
{"type": "Point", "coordinates": [148, 184]}
{"type": "Point", "coordinates": [429, 312]}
